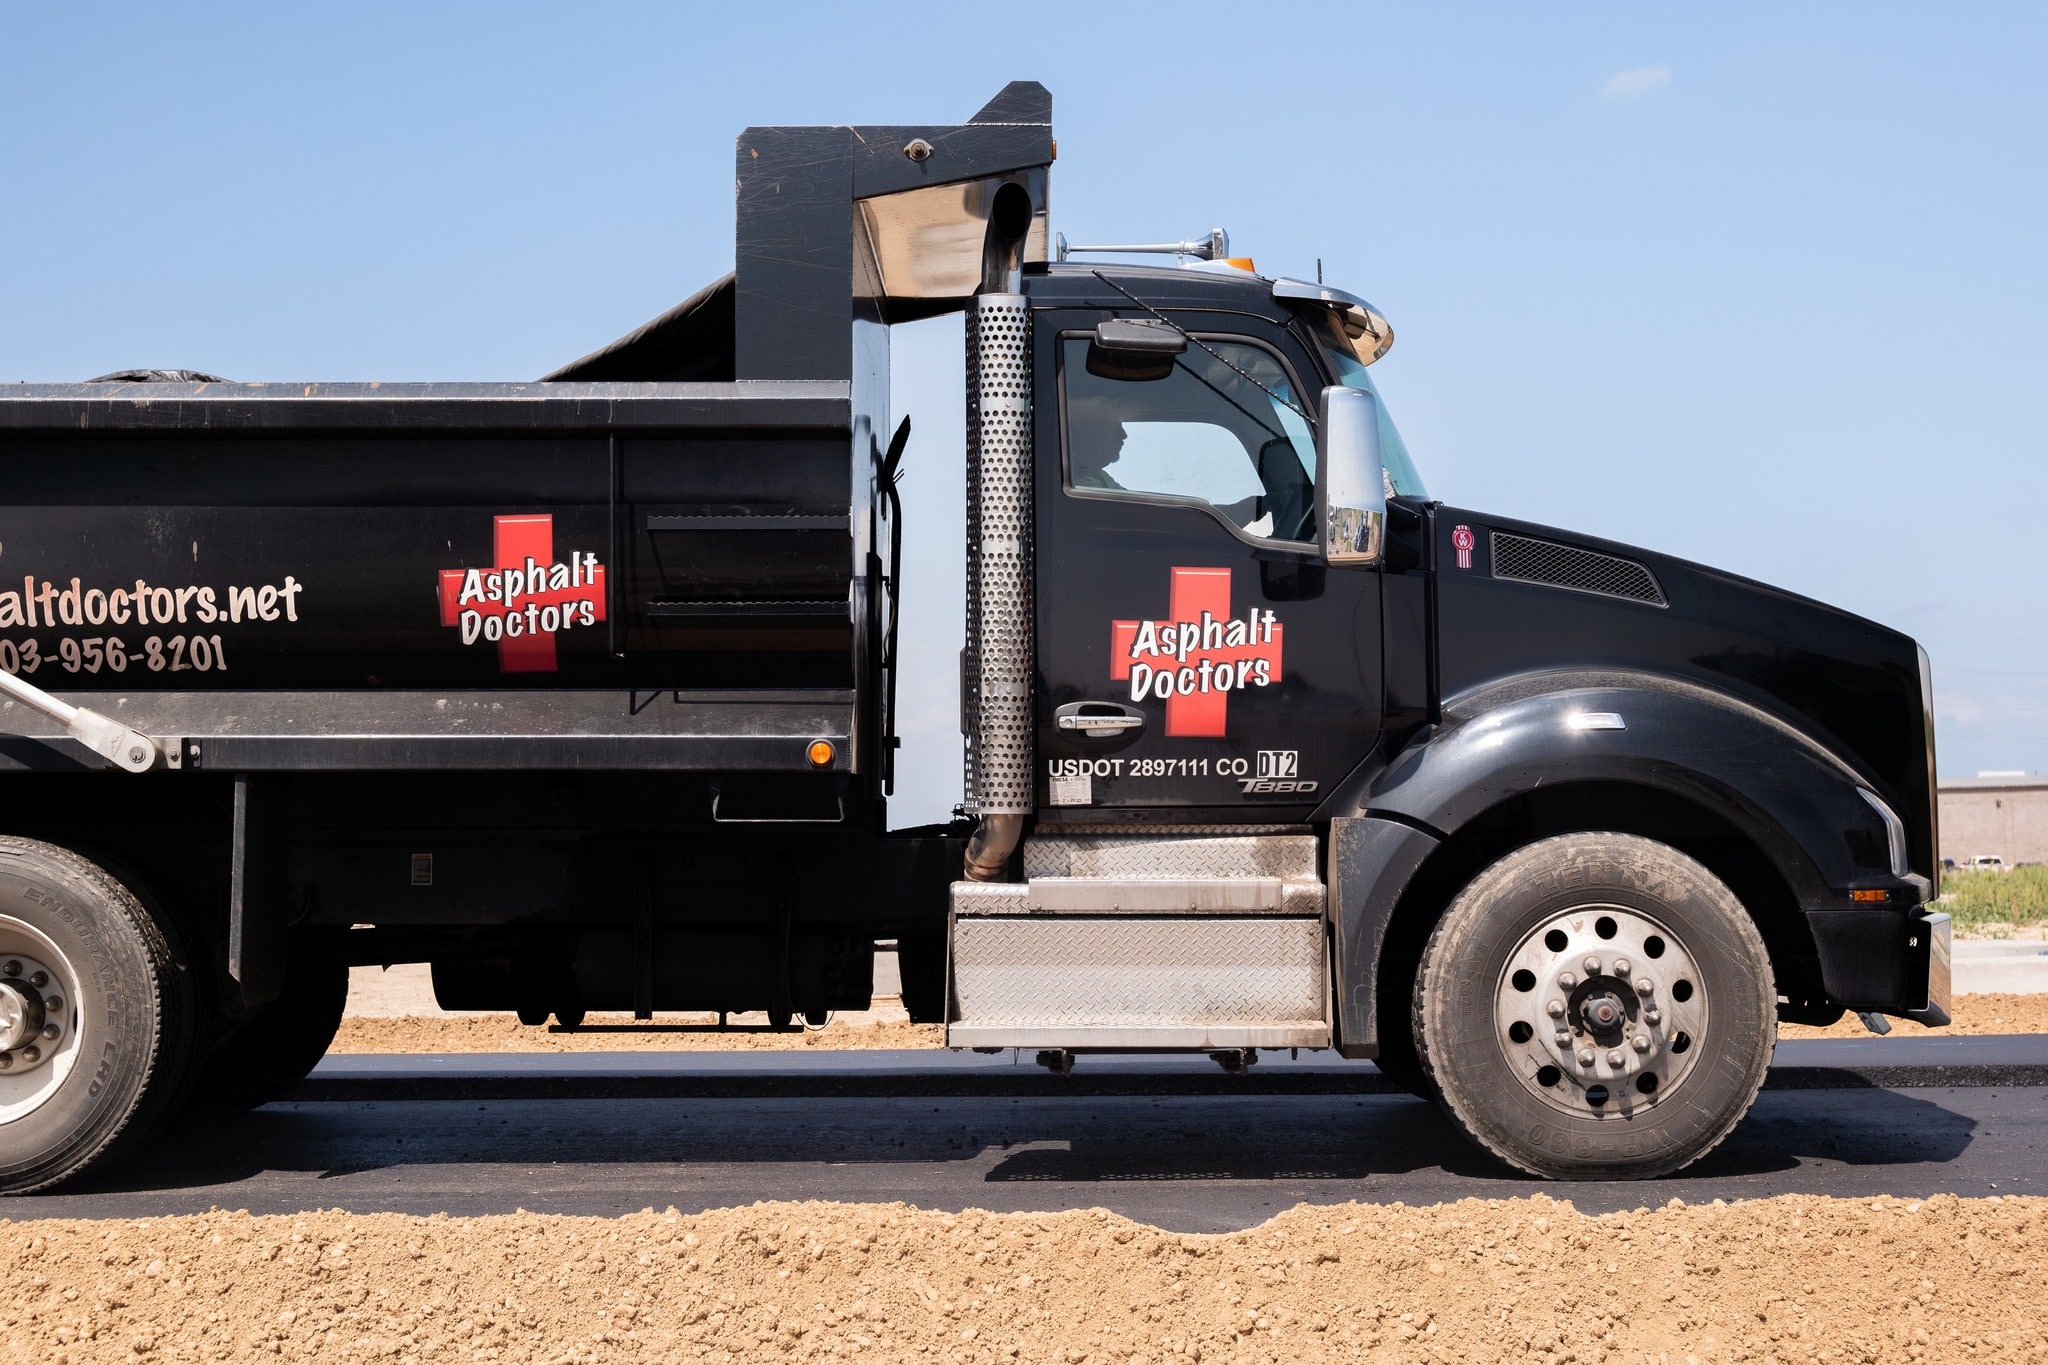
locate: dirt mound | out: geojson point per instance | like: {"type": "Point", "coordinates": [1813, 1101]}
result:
{"type": "Point", "coordinates": [1790, 1279]}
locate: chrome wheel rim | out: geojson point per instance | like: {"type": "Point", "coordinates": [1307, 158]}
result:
{"type": "Point", "coordinates": [1601, 1012]}
{"type": "Point", "coordinates": [41, 1018]}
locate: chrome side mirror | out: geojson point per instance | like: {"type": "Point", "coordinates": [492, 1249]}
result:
{"type": "Point", "coordinates": [1351, 495]}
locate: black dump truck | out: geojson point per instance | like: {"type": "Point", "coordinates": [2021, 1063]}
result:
{"type": "Point", "coordinates": [583, 691]}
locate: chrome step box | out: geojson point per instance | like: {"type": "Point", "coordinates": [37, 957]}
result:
{"type": "Point", "coordinates": [1170, 940]}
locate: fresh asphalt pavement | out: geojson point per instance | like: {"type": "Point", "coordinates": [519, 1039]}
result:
{"type": "Point", "coordinates": [1174, 1142]}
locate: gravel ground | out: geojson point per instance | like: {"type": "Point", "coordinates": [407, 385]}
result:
{"type": "Point", "coordinates": [1796, 1278]}
{"type": "Point", "coordinates": [392, 1010]}
{"type": "Point", "coordinates": [886, 1026]}
{"type": "Point", "coordinates": [1974, 1015]}
{"type": "Point", "coordinates": [618, 1032]}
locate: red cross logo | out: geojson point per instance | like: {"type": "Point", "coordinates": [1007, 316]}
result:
{"type": "Point", "coordinates": [1198, 656]}
{"type": "Point", "coordinates": [525, 596]}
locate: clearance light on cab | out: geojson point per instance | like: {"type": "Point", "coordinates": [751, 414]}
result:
{"type": "Point", "coordinates": [820, 753]}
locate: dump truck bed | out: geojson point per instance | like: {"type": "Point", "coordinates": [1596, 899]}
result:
{"type": "Point", "coordinates": [569, 574]}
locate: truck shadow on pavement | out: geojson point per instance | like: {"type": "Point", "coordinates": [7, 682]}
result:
{"type": "Point", "coordinates": [482, 1156]}
{"type": "Point", "coordinates": [1855, 1127]}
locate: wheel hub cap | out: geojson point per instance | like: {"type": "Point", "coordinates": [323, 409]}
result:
{"type": "Point", "coordinates": [1600, 1011]}
{"type": "Point", "coordinates": [38, 1018]}
{"type": "Point", "coordinates": [16, 1016]}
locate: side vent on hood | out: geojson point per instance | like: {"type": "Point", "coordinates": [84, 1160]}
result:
{"type": "Point", "coordinates": [1522, 559]}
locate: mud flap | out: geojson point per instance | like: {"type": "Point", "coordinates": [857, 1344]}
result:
{"type": "Point", "coordinates": [1927, 956]}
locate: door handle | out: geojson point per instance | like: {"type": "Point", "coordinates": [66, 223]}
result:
{"type": "Point", "coordinates": [1097, 719]}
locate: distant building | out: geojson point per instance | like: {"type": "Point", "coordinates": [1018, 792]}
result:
{"type": "Point", "coordinates": [2001, 813]}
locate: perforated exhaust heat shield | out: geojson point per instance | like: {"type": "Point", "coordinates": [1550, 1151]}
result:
{"type": "Point", "coordinates": [996, 670]}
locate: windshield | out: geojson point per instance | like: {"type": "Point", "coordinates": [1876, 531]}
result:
{"type": "Point", "coordinates": [1402, 480]}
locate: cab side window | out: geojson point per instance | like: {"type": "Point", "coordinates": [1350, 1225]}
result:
{"type": "Point", "coordinates": [1221, 429]}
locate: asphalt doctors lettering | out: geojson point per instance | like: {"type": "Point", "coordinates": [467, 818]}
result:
{"type": "Point", "coordinates": [525, 596]}
{"type": "Point", "coordinates": [1199, 655]}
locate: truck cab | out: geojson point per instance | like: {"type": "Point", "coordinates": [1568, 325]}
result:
{"type": "Point", "coordinates": [1457, 696]}
{"type": "Point", "coordinates": [583, 691]}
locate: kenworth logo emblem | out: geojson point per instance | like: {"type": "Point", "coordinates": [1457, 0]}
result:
{"type": "Point", "coordinates": [526, 596]}
{"type": "Point", "coordinates": [1199, 655]}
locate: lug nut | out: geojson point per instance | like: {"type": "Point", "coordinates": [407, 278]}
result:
{"type": "Point", "coordinates": [1555, 1009]}
{"type": "Point", "coordinates": [6, 1060]}
{"type": "Point", "coordinates": [31, 1053]}
{"type": "Point", "coordinates": [1615, 1058]}
{"type": "Point", "coordinates": [39, 980]}
{"type": "Point", "coordinates": [1642, 1042]}
{"type": "Point", "coordinates": [1621, 966]}
{"type": "Point", "coordinates": [1592, 966]}
{"type": "Point", "coordinates": [1564, 1036]}
{"type": "Point", "coordinates": [1651, 1016]}
{"type": "Point", "coordinates": [53, 1003]}
{"type": "Point", "coordinates": [1586, 1057]}
{"type": "Point", "coordinates": [1567, 981]}
{"type": "Point", "coordinates": [1645, 986]}
{"type": "Point", "coordinates": [50, 1031]}
{"type": "Point", "coordinates": [13, 967]}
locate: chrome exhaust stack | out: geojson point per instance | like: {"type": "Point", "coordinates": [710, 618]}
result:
{"type": "Point", "coordinates": [996, 666]}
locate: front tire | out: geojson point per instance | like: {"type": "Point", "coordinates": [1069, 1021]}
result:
{"type": "Point", "coordinates": [1596, 1006]}
{"type": "Point", "coordinates": [97, 1017]}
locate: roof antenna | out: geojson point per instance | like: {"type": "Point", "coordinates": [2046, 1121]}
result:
{"type": "Point", "coordinates": [1319, 270]}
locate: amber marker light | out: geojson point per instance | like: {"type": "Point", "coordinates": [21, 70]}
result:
{"type": "Point", "coordinates": [821, 754]}
{"type": "Point", "coordinates": [1867, 896]}
{"type": "Point", "coordinates": [1243, 263]}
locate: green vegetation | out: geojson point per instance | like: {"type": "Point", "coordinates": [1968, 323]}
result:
{"type": "Point", "coordinates": [1996, 904]}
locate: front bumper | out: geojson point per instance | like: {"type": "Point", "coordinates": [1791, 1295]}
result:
{"type": "Point", "coordinates": [1885, 960]}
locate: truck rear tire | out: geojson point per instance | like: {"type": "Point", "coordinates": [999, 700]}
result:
{"type": "Point", "coordinates": [96, 1013]}
{"type": "Point", "coordinates": [273, 1051]}
{"type": "Point", "coordinates": [1596, 1007]}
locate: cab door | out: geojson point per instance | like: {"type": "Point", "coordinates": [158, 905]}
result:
{"type": "Point", "coordinates": [1194, 653]}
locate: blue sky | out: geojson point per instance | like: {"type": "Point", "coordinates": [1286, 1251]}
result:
{"type": "Point", "coordinates": [1761, 285]}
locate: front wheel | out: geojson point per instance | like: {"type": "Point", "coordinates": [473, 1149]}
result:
{"type": "Point", "coordinates": [1596, 1006]}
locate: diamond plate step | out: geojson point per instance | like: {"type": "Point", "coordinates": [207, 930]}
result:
{"type": "Point", "coordinates": [1110, 982]}
{"type": "Point", "coordinates": [1140, 896]}
{"type": "Point", "coordinates": [1187, 937]}
{"type": "Point", "coordinates": [1128, 855]}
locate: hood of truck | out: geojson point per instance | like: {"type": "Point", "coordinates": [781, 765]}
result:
{"type": "Point", "coordinates": [1515, 598]}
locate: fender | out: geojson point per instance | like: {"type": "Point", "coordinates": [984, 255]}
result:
{"type": "Point", "coordinates": [1795, 799]}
